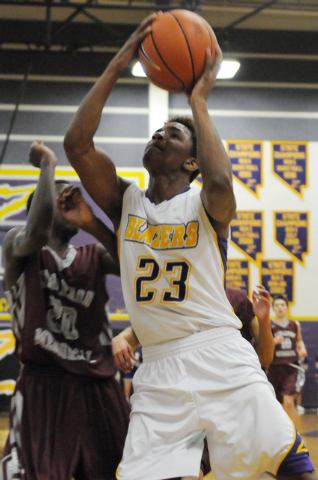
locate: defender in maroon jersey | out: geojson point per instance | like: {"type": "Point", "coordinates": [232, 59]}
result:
{"type": "Point", "coordinates": [68, 415]}
{"type": "Point", "coordinates": [289, 347]}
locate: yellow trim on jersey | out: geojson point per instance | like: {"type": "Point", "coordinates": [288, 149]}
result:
{"type": "Point", "coordinates": [118, 244]}
{"type": "Point", "coordinates": [222, 264]}
{"type": "Point", "coordinates": [302, 447]}
{"type": "Point", "coordinates": [117, 470]}
{"type": "Point", "coordinates": [289, 449]}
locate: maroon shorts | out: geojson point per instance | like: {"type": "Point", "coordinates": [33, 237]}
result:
{"type": "Point", "coordinates": [64, 426]}
{"type": "Point", "coordinates": [283, 378]}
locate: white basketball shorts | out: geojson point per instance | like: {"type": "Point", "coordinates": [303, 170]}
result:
{"type": "Point", "coordinates": [208, 384]}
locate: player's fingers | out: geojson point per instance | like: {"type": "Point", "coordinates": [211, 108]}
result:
{"type": "Point", "coordinates": [121, 363]}
{"type": "Point", "coordinates": [147, 21]}
{"type": "Point", "coordinates": [128, 359]}
{"type": "Point", "coordinates": [132, 354]}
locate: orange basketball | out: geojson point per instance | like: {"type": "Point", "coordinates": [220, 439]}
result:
{"type": "Point", "coordinates": [173, 54]}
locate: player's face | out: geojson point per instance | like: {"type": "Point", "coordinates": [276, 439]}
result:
{"type": "Point", "coordinates": [280, 308]}
{"type": "Point", "coordinates": [168, 148]}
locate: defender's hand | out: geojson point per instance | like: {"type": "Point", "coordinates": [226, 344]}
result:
{"type": "Point", "coordinates": [261, 303]}
{"type": "Point", "coordinates": [73, 207]}
{"type": "Point", "coordinates": [39, 152]}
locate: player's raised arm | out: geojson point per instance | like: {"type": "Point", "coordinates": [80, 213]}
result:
{"type": "Point", "coordinates": [95, 168]}
{"type": "Point", "coordinates": [214, 164]}
{"type": "Point", "coordinates": [20, 242]}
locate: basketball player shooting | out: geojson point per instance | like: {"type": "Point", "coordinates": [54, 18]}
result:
{"type": "Point", "coordinates": [199, 376]}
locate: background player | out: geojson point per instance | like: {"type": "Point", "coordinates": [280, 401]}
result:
{"type": "Point", "coordinates": [255, 330]}
{"type": "Point", "coordinates": [289, 347]}
{"type": "Point", "coordinates": [68, 414]}
{"type": "Point", "coordinates": [199, 376]}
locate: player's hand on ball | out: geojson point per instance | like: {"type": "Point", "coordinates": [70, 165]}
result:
{"type": "Point", "coordinates": [207, 80]}
{"type": "Point", "coordinates": [129, 49]}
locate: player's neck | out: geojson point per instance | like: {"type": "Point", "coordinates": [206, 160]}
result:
{"type": "Point", "coordinates": [60, 246]}
{"type": "Point", "coordinates": [281, 320]}
{"type": "Point", "coordinates": [162, 188]}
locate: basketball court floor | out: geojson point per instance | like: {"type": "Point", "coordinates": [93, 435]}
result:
{"type": "Point", "coordinates": [307, 425]}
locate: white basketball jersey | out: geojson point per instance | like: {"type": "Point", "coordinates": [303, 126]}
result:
{"type": "Point", "coordinates": [172, 271]}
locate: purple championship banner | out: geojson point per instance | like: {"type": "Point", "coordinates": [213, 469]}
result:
{"type": "Point", "coordinates": [247, 161]}
{"type": "Point", "coordinates": [247, 233]}
{"type": "Point", "coordinates": [290, 164]}
{"type": "Point", "coordinates": [238, 274]}
{"type": "Point", "coordinates": [277, 276]}
{"type": "Point", "coordinates": [292, 233]}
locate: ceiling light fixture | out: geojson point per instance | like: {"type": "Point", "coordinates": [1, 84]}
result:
{"type": "Point", "coordinates": [228, 69]}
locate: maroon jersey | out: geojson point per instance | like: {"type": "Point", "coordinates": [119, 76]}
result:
{"type": "Point", "coordinates": [58, 312]}
{"type": "Point", "coordinates": [243, 309]}
{"type": "Point", "coordinates": [286, 351]}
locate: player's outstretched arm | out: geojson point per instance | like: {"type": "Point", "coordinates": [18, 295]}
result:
{"type": "Point", "coordinates": [95, 168]}
{"type": "Point", "coordinates": [20, 242]}
{"type": "Point", "coordinates": [123, 346]}
{"type": "Point", "coordinates": [76, 211]}
{"type": "Point", "coordinates": [261, 328]}
{"type": "Point", "coordinates": [214, 164]}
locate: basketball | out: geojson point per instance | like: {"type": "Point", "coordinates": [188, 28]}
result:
{"type": "Point", "coordinates": [173, 53]}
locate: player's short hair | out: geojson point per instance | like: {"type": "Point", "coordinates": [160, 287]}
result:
{"type": "Point", "coordinates": [189, 123]}
{"type": "Point", "coordinates": [30, 198]}
{"type": "Point", "coordinates": [279, 296]}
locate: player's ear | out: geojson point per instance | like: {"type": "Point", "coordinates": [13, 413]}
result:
{"type": "Point", "coordinates": [191, 164]}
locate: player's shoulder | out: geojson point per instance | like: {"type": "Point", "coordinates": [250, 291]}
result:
{"type": "Point", "coordinates": [9, 239]}
{"type": "Point", "coordinates": [236, 292]}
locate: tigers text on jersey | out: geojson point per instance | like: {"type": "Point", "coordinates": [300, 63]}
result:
{"type": "Point", "coordinates": [58, 312]}
{"type": "Point", "coordinates": [172, 270]}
